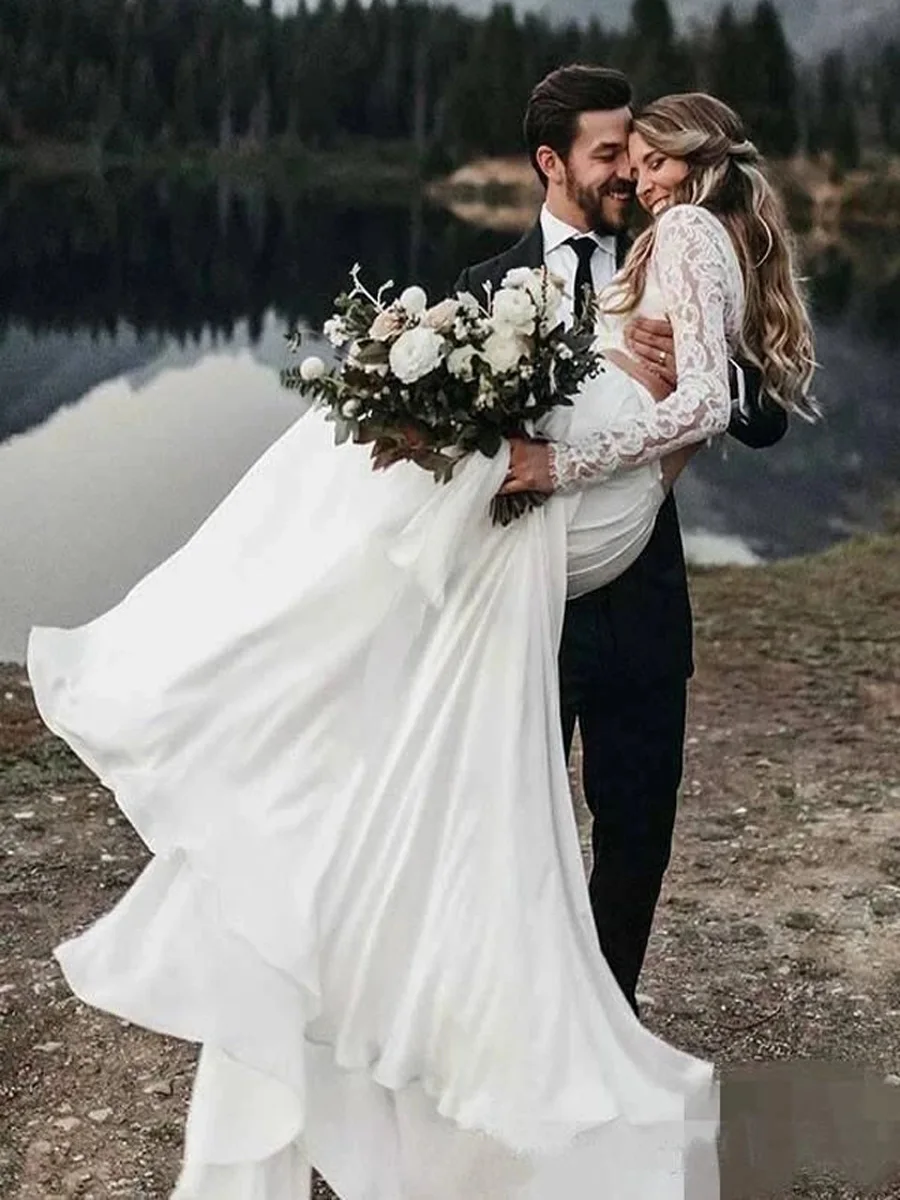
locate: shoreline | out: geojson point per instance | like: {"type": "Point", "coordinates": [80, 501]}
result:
{"type": "Point", "coordinates": [503, 193]}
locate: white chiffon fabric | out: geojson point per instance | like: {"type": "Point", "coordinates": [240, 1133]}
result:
{"type": "Point", "coordinates": [333, 718]}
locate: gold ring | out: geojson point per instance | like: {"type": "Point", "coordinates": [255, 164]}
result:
{"type": "Point", "coordinates": [662, 356]}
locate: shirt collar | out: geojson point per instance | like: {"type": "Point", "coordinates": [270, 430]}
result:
{"type": "Point", "coordinates": [557, 232]}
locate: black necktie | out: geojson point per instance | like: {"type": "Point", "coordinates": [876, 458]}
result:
{"type": "Point", "coordinates": [584, 247]}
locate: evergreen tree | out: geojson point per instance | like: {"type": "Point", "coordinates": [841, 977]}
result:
{"type": "Point", "coordinates": [836, 122]}
{"type": "Point", "coordinates": [655, 62]}
{"type": "Point", "coordinates": [771, 113]}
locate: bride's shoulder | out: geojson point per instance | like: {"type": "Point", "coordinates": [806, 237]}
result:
{"type": "Point", "coordinates": [693, 231]}
{"type": "Point", "coordinates": [690, 218]}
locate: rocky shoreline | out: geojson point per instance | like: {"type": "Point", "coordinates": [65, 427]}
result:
{"type": "Point", "coordinates": [775, 951]}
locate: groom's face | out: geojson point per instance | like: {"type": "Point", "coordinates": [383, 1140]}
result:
{"type": "Point", "coordinates": [597, 172]}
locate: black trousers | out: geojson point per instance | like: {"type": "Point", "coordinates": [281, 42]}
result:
{"type": "Point", "coordinates": [632, 732]}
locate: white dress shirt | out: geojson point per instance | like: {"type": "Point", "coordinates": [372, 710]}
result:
{"type": "Point", "coordinates": [561, 260]}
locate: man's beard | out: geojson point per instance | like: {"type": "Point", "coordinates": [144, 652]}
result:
{"type": "Point", "coordinates": [590, 202]}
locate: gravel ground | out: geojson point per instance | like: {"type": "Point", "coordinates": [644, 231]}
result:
{"type": "Point", "coordinates": [775, 950]}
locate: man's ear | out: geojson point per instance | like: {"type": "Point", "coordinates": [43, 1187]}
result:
{"type": "Point", "coordinates": [550, 163]}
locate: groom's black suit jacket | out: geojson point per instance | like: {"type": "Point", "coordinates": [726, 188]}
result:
{"type": "Point", "coordinates": [648, 607]}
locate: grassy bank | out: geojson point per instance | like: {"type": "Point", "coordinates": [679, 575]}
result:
{"type": "Point", "coordinates": [776, 941]}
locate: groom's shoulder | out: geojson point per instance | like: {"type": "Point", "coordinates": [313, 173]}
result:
{"type": "Point", "coordinates": [527, 252]}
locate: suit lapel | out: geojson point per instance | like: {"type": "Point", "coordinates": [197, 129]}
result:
{"type": "Point", "coordinates": [529, 252]}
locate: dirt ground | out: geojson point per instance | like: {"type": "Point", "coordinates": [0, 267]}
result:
{"type": "Point", "coordinates": [775, 950]}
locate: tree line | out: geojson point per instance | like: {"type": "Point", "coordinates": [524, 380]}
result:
{"type": "Point", "coordinates": [138, 76]}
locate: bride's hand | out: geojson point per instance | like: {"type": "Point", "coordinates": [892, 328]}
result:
{"type": "Point", "coordinates": [652, 343]}
{"type": "Point", "coordinates": [529, 468]}
{"type": "Point", "coordinates": [658, 387]}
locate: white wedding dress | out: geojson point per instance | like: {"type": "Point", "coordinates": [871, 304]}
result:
{"type": "Point", "coordinates": [333, 718]}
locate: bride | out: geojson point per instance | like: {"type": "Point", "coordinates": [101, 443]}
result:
{"type": "Point", "coordinates": [333, 718]}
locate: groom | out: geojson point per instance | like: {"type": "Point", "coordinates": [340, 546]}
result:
{"type": "Point", "coordinates": [626, 652]}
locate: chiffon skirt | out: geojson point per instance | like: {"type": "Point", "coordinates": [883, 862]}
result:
{"type": "Point", "coordinates": [333, 718]}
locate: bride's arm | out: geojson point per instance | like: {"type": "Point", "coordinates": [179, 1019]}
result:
{"type": "Point", "coordinates": [692, 260]}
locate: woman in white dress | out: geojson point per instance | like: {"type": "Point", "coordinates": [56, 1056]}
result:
{"type": "Point", "coordinates": [333, 718]}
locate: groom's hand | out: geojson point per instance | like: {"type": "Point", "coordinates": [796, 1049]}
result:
{"type": "Point", "coordinates": [652, 344]}
{"type": "Point", "coordinates": [529, 468]}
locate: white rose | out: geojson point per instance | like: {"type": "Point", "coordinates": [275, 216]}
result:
{"type": "Point", "coordinates": [468, 303]}
{"type": "Point", "coordinates": [521, 277]}
{"type": "Point", "coordinates": [415, 353]}
{"type": "Point", "coordinates": [350, 408]}
{"type": "Point", "coordinates": [311, 369]}
{"type": "Point", "coordinates": [459, 362]}
{"type": "Point", "coordinates": [413, 300]}
{"type": "Point", "coordinates": [514, 309]}
{"type": "Point", "coordinates": [336, 331]}
{"type": "Point", "coordinates": [502, 351]}
{"type": "Point", "coordinates": [545, 290]}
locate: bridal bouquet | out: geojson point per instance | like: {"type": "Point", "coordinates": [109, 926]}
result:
{"type": "Point", "coordinates": [433, 383]}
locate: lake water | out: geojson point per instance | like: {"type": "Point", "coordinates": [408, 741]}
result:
{"type": "Point", "coordinates": [142, 330]}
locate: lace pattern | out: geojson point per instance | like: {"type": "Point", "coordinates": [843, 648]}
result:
{"type": "Point", "coordinates": [700, 280]}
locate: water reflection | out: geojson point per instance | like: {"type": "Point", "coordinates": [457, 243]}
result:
{"type": "Point", "coordinates": [114, 484]}
{"type": "Point", "coordinates": [146, 318]}
{"type": "Point", "coordinates": [181, 259]}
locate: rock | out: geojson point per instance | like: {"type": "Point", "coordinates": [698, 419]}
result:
{"type": "Point", "coordinates": [892, 1080]}
{"type": "Point", "coordinates": [159, 1087]}
{"type": "Point", "coordinates": [885, 901]}
{"type": "Point", "coordinates": [26, 815]}
{"type": "Point", "coordinates": [67, 1124]}
{"type": "Point", "coordinates": [99, 1115]}
{"type": "Point", "coordinates": [49, 1047]}
{"type": "Point", "coordinates": [854, 917]}
{"type": "Point", "coordinates": [41, 1147]}
{"type": "Point", "coordinates": [802, 919]}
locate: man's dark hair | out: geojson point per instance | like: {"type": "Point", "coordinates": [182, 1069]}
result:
{"type": "Point", "coordinates": [551, 117]}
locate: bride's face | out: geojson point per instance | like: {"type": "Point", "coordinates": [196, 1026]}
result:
{"type": "Point", "coordinates": [656, 175]}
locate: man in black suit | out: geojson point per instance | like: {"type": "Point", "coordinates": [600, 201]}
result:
{"type": "Point", "coordinates": [626, 652]}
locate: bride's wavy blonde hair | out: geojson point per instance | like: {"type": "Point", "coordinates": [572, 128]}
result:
{"type": "Point", "coordinates": [726, 174]}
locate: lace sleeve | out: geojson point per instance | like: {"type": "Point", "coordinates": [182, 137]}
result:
{"type": "Point", "coordinates": [696, 268]}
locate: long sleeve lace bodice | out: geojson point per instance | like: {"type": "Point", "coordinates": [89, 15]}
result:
{"type": "Point", "coordinates": [699, 278]}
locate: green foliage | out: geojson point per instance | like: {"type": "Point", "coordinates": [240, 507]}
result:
{"type": "Point", "coordinates": [139, 75]}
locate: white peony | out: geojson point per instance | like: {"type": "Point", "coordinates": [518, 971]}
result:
{"type": "Point", "coordinates": [413, 300]}
{"type": "Point", "coordinates": [416, 353]}
{"type": "Point", "coordinates": [459, 362]}
{"type": "Point", "coordinates": [503, 351]}
{"type": "Point", "coordinates": [514, 309]}
{"type": "Point", "coordinates": [311, 369]}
